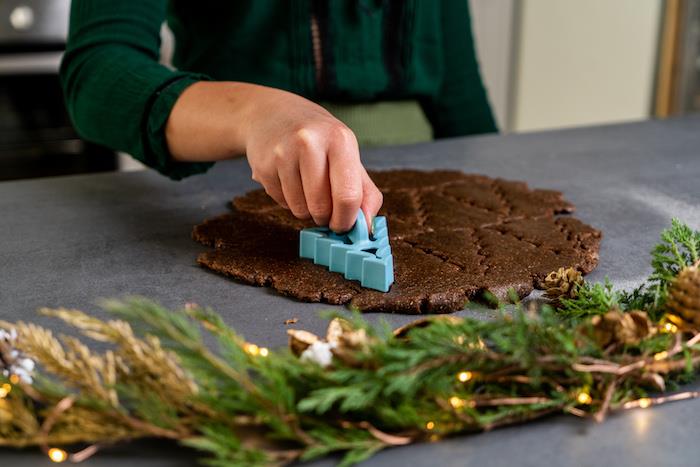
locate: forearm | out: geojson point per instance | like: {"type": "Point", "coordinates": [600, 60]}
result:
{"type": "Point", "coordinates": [210, 120]}
{"type": "Point", "coordinates": [213, 121]}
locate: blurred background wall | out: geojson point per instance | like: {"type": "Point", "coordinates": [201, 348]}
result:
{"type": "Point", "coordinates": [546, 63]}
{"type": "Point", "coordinates": [584, 62]}
{"type": "Point", "coordinates": [561, 63]}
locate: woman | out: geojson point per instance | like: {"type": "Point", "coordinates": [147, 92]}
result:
{"type": "Point", "coordinates": [248, 73]}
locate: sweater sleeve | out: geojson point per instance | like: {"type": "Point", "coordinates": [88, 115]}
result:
{"type": "Point", "coordinates": [461, 106]}
{"type": "Point", "coordinates": [117, 94]}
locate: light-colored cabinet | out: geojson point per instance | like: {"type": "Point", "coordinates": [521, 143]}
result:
{"type": "Point", "coordinates": [559, 63]}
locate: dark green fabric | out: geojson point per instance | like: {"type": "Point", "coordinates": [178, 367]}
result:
{"type": "Point", "coordinates": [120, 96]}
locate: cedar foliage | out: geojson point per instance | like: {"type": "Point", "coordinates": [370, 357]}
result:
{"type": "Point", "coordinates": [440, 377]}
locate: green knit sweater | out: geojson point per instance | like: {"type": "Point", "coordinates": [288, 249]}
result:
{"type": "Point", "coordinates": [342, 51]}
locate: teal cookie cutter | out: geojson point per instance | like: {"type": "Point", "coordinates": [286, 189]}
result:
{"type": "Point", "coordinates": [356, 254]}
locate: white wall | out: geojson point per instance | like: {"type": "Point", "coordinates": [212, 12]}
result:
{"type": "Point", "coordinates": [583, 62]}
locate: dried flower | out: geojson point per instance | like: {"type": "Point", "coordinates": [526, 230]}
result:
{"type": "Point", "coordinates": [342, 341]}
{"type": "Point", "coordinates": [12, 361]}
{"type": "Point", "coordinates": [319, 352]}
{"type": "Point", "coordinates": [300, 340]}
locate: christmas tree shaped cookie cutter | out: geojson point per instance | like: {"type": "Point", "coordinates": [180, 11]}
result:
{"type": "Point", "coordinates": [355, 254]}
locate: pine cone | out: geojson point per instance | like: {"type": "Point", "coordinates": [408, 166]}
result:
{"type": "Point", "coordinates": [562, 283]}
{"type": "Point", "coordinates": [683, 298]}
{"type": "Point", "coordinates": [617, 327]}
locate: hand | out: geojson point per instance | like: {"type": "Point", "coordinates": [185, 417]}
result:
{"type": "Point", "coordinates": [306, 159]}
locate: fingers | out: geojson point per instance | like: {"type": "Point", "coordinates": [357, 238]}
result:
{"type": "Point", "coordinates": [319, 174]}
{"type": "Point", "coordinates": [292, 189]}
{"type": "Point", "coordinates": [313, 168]}
{"type": "Point", "coordinates": [372, 198]}
{"type": "Point", "coordinates": [274, 189]}
{"type": "Point", "coordinates": [270, 181]}
{"type": "Point", "coordinates": [346, 179]}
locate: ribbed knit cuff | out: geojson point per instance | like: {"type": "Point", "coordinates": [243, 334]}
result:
{"type": "Point", "coordinates": [157, 153]}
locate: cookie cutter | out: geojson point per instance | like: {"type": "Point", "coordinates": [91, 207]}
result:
{"type": "Point", "coordinates": [356, 254]}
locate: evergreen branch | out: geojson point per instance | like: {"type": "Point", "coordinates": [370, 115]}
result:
{"type": "Point", "coordinates": [678, 248]}
{"type": "Point", "coordinates": [435, 378]}
{"type": "Point", "coordinates": [592, 299]}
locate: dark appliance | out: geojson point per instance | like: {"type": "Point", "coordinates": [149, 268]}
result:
{"type": "Point", "coordinates": [36, 136]}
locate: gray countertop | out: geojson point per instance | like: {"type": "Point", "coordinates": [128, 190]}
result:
{"type": "Point", "coordinates": [70, 241]}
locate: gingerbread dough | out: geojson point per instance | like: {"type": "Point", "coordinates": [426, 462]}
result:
{"type": "Point", "coordinates": [453, 236]}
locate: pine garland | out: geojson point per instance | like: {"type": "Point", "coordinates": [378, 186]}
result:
{"type": "Point", "coordinates": [357, 390]}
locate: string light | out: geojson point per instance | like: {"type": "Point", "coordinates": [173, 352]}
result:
{"type": "Point", "coordinates": [430, 425]}
{"type": "Point", "coordinates": [57, 455]}
{"type": "Point", "coordinates": [584, 398]}
{"type": "Point", "coordinates": [14, 379]}
{"type": "Point", "coordinates": [5, 412]}
{"type": "Point", "coordinates": [669, 327]}
{"type": "Point", "coordinates": [254, 350]}
{"type": "Point", "coordinates": [479, 344]}
{"type": "Point", "coordinates": [644, 402]}
{"type": "Point", "coordinates": [251, 349]}
{"type": "Point", "coordinates": [5, 390]}
{"type": "Point", "coordinates": [464, 376]}
{"type": "Point", "coordinates": [456, 402]}
{"type": "Point", "coordinates": [675, 321]}
{"type": "Point", "coordinates": [661, 355]}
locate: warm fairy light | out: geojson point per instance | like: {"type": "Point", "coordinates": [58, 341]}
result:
{"type": "Point", "coordinates": [5, 390]}
{"type": "Point", "coordinates": [644, 402]}
{"type": "Point", "coordinates": [57, 455]}
{"type": "Point", "coordinates": [14, 379]}
{"type": "Point", "coordinates": [254, 350]}
{"type": "Point", "coordinates": [584, 398]}
{"type": "Point", "coordinates": [251, 349]}
{"type": "Point", "coordinates": [456, 402]}
{"type": "Point", "coordinates": [430, 425]}
{"type": "Point", "coordinates": [669, 328]}
{"type": "Point", "coordinates": [671, 324]}
{"type": "Point", "coordinates": [465, 376]}
{"type": "Point", "coordinates": [661, 355]}
{"type": "Point", "coordinates": [479, 344]}
{"type": "Point", "coordinates": [5, 412]}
